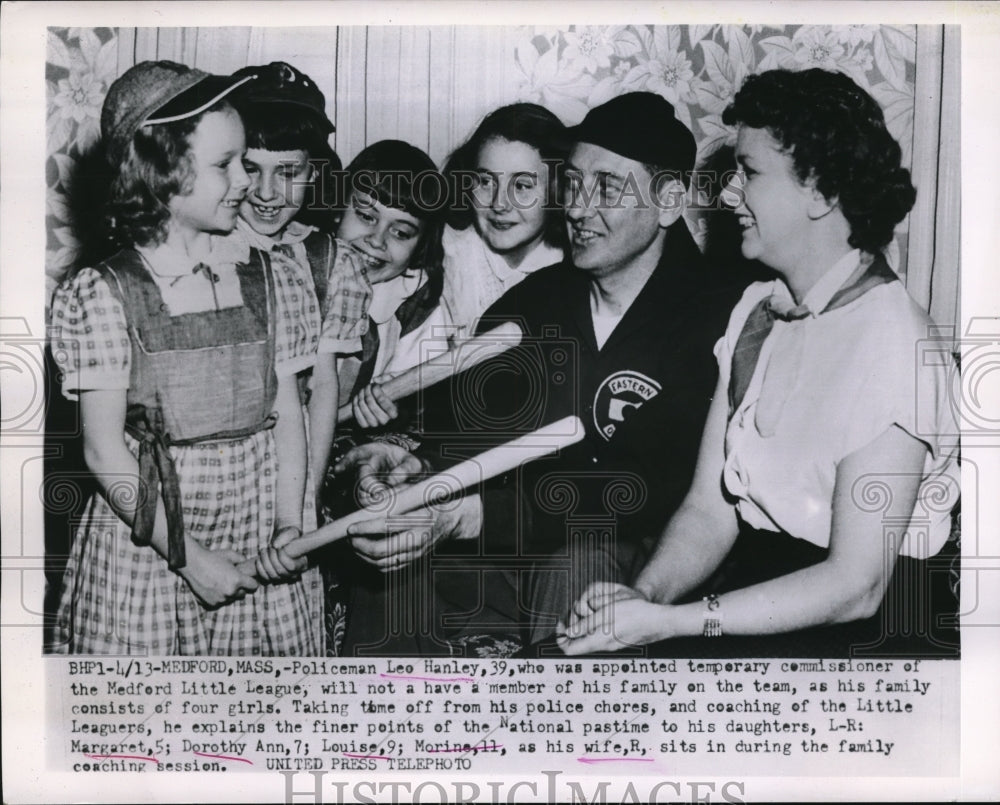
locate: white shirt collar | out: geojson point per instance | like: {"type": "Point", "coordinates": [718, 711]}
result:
{"type": "Point", "coordinates": [166, 261]}
{"type": "Point", "coordinates": [293, 233]}
{"type": "Point", "coordinates": [389, 295]}
{"type": "Point", "coordinates": [540, 256]}
{"type": "Point", "coordinates": [819, 296]}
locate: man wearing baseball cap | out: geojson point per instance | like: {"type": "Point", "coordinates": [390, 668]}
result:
{"type": "Point", "coordinates": [621, 334]}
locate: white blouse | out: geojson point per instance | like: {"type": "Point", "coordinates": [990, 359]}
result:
{"type": "Point", "coordinates": [831, 384]}
{"type": "Point", "coordinates": [475, 276]}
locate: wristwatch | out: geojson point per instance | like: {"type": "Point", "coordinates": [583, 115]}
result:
{"type": "Point", "coordinates": [712, 626]}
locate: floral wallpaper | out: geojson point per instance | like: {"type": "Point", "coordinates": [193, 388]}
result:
{"type": "Point", "coordinates": [698, 68]}
{"type": "Point", "coordinates": [569, 69]}
{"type": "Point", "coordinates": [80, 65]}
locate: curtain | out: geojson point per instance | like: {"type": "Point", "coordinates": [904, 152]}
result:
{"type": "Point", "coordinates": [934, 233]}
{"type": "Point", "coordinates": [431, 85]}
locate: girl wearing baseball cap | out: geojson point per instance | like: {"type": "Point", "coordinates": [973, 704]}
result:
{"type": "Point", "coordinates": [170, 347]}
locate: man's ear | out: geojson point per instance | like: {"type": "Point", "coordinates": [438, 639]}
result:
{"type": "Point", "coordinates": [671, 198]}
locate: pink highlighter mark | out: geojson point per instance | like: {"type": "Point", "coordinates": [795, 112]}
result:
{"type": "Point", "coordinates": [122, 757]}
{"type": "Point", "coordinates": [615, 760]}
{"type": "Point", "coordinates": [225, 757]}
{"type": "Point", "coordinates": [366, 757]}
{"type": "Point", "coordinates": [483, 748]}
{"type": "Point", "coordinates": [430, 678]}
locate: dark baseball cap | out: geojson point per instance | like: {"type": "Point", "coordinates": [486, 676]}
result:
{"type": "Point", "coordinates": [281, 83]}
{"type": "Point", "coordinates": [640, 126]}
{"type": "Point", "coordinates": [152, 93]}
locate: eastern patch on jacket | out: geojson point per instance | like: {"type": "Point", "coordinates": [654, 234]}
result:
{"type": "Point", "coordinates": [618, 396]}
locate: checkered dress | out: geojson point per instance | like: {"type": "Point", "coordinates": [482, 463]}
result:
{"type": "Point", "coordinates": [345, 309]}
{"type": "Point", "coordinates": [298, 323]}
{"type": "Point", "coordinates": [119, 598]}
{"type": "Point", "coordinates": [297, 313]}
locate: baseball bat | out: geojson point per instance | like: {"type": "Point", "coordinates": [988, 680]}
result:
{"type": "Point", "coordinates": [464, 356]}
{"type": "Point", "coordinates": [443, 485]}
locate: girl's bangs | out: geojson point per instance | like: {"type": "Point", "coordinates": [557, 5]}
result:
{"type": "Point", "coordinates": [396, 191]}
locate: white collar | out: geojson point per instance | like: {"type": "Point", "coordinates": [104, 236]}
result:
{"type": "Point", "coordinates": [389, 295]}
{"type": "Point", "coordinates": [819, 296]}
{"type": "Point", "coordinates": [540, 256]}
{"type": "Point", "coordinates": [166, 261]}
{"type": "Point", "coordinates": [293, 233]}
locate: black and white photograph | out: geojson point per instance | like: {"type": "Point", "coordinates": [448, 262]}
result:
{"type": "Point", "coordinates": [456, 402]}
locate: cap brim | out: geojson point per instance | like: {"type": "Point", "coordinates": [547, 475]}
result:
{"type": "Point", "coordinates": [282, 100]}
{"type": "Point", "coordinates": [581, 133]}
{"type": "Point", "coordinates": [196, 99]}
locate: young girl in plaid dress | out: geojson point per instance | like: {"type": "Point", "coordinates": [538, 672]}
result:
{"type": "Point", "coordinates": [170, 345]}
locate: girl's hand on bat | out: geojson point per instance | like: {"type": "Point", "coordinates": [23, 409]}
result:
{"type": "Point", "coordinates": [372, 407]}
{"type": "Point", "coordinates": [274, 564]}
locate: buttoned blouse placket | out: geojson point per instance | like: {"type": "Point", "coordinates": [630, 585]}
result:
{"type": "Point", "coordinates": [222, 270]}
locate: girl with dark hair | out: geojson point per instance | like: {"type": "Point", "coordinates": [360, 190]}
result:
{"type": "Point", "coordinates": [290, 165]}
{"type": "Point", "coordinates": [171, 347]}
{"type": "Point", "coordinates": [391, 226]}
{"type": "Point", "coordinates": [293, 168]}
{"type": "Point", "coordinates": [503, 222]}
{"type": "Point", "coordinates": [504, 215]}
{"type": "Point", "coordinates": [828, 464]}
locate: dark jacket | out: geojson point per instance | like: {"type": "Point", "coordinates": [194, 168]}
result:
{"type": "Point", "coordinates": [642, 398]}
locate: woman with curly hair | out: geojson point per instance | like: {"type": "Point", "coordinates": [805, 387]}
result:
{"type": "Point", "coordinates": [825, 434]}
